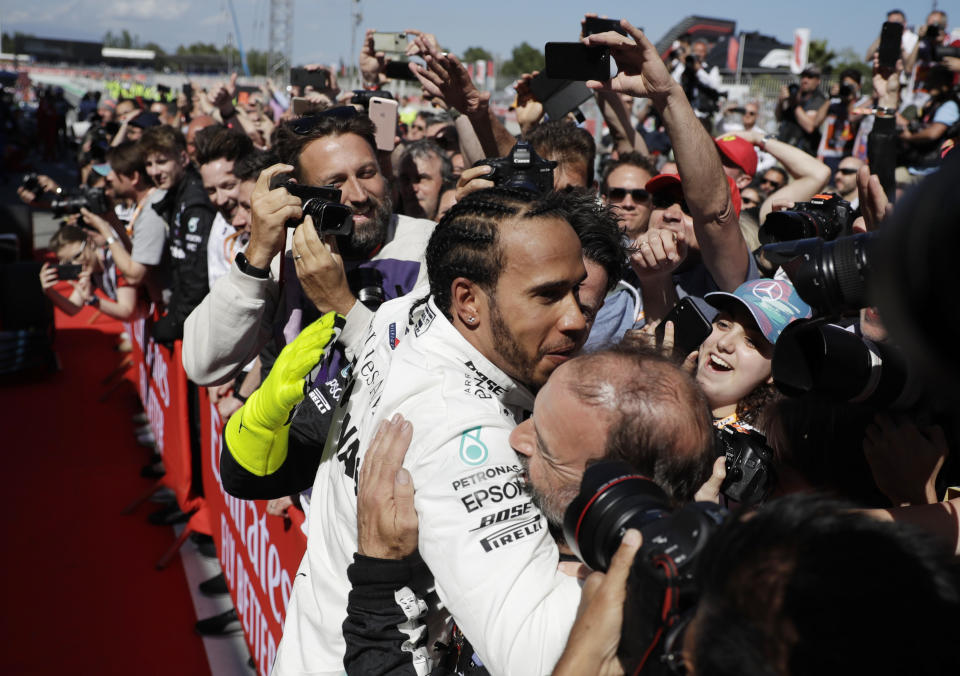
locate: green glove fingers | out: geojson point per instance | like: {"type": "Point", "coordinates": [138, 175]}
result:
{"type": "Point", "coordinates": [257, 433]}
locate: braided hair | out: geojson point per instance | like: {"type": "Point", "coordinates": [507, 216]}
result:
{"type": "Point", "coordinates": [465, 242]}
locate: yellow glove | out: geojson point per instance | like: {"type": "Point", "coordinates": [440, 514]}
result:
{"type": "Point", "coordinates": [257, 433]}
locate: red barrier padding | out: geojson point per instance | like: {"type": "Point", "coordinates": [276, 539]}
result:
{"type": "Point", "coordinates": [162, 384]}
{"type": "Point", "coordinates": [259, 553]}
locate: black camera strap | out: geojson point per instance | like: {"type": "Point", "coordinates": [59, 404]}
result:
{"type": "Point", "coordinates": [669, 611]}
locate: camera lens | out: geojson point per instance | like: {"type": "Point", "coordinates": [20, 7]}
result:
{"type": "Point", "coordinates": [367, 284]}
{"type": "Point", "coordinates": [612, 499]}
{"type": "Point", "coordinates": [832, 277]}
{"type": "Point", "coordinates": [826, 360]}
{"type": "Point", "coordinates": [785, 226]}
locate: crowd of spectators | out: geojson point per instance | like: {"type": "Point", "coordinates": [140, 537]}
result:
{"type": "Point", "coordinates": [427, 348]}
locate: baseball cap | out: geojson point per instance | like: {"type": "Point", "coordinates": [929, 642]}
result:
{"type": "Point", "coordinates": [739, 151]}
{"type": "Point", "coordinates": [672, 182]}
{"type": "Point", "coordinates": [145, 120]}
{"type": "Point", "coordinates": [664, 182]}
{"type": "Point", "coordinates": [810, 71]}
{"type": "Point", "coordinates": [102, 169]}
{"type": "Point", "coordinates": [773, 303]}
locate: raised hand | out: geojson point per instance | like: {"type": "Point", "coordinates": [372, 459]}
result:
{"type": "Point", "coordinates": [642, 72]}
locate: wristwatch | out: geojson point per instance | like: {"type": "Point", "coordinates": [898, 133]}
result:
{"type": "Point", "coordinates": [251, 270]}
{"type": "Point", "coordinates": [111, 239]}
{"type": "Point", "coordinates": [94, 302]}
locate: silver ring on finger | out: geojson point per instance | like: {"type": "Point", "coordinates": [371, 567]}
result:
{"type": "Point", "coordinates": [296, 258]}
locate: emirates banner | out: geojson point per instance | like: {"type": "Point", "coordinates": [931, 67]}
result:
{"type": "Point", "coordinates": [259, 553]}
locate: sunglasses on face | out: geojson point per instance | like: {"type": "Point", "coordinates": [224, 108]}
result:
{"type": "Point", "coordinates": [846, 171]}
{"type": "Point", "coordinates": [307, 123]}
{"type": "Point", "coordinates": [620, 194]}
{"type": "Point", "coordinates": [773, 183]}
{"type": "Point", "coordinates": [665, 200]}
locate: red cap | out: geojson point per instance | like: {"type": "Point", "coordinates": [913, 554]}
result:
{"type": "Point", "coordinates": [739, 151]}
{"type": "Point", "coordinates": [666, 182]}
{"type": "Point", "coordinates": [662, 182]}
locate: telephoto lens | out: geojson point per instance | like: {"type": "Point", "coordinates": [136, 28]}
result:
{"type": "Point", "coordinates": [826, 360]}
{"type": "Point", "coordinates": [832, 277]}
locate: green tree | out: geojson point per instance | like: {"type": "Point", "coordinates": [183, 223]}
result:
{"type": "Point", "coordinates": [124, 40]}
{"type": "Point", "coordinates": [472, 54]}
{"type": "Point", "coordinates": [821, 55]}
{"type": "Point", "coordinates": [525, 59]}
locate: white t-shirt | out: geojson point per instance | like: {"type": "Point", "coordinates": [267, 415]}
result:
{"type": "Point", "coordinates": [222, 247]}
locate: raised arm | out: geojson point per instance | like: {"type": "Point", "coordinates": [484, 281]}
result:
{"type": "Point", "coordinates": [809, 174]}
{"type": "Point", "coordinates": [446, 78]}
{"type": "Point", "coordinates": [809, 120]}
{"type": "Point", "coordinates": [132, 271]}
{"type": "Point", "coordinates": [707, 192]}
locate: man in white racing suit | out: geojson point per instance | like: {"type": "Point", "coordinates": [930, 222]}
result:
{"type": "Point", "coordinates": [503, 313]}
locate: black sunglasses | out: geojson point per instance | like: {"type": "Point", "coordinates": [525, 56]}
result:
{"type": "Point", "coordinates": [666, 199]}
{"type": "Point", "coordinates": [619, 194]}
{"type": "Point", "coordinates": [773, 183]}
{"type": "Point", "coordinates": [846, 171]}
{"type": "Point", "coordinates": [307, 123]}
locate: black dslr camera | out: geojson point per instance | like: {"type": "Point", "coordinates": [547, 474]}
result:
{"type": "Point", "coordinates": [751, 476]}
{"type": "Point", "coordinates": [614, 498]}
{"type": "Point", "coordinates": [827, 216]}
{"type": "Point", "coordinates": [522, 168]}
{"type": "Point", "coordinates": [330, 217]}
{"type": "Point", "coordinates": [31, 183]}
{"type": "Point", "coordinates": [94, 199]}
{"type": "Point", "coordinates": [361, 97]}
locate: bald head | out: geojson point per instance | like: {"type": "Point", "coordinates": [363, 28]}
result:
{"type": "Point", "coordinates": [660, 421]}
{"type": "Point", "coordinates": [196, 124]}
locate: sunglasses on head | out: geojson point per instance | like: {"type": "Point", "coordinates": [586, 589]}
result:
{"type": "Point", "coordinates": [846, 171]}
{"type": "Point", "coordinates": [666, 199]}
{"type": "Point", "coordinates": [307, 123]}
{"type": "Point", "coordinates": [620, 194]}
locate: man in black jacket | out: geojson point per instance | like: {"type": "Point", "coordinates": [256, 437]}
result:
{"type": "Point", "coordinates": [189, 216]}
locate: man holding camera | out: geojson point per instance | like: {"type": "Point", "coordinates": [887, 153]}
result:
{"type": "Point", "coordinates": [380, 259]}
{"type": "Point", "coordinates": [801, 109]}
{"type": "Point", "coordinates": [700, 83]}
{"type": "Point", "coordinates": [148, 261]}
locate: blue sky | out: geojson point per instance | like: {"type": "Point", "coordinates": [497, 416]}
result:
{"type": "Point", "coordinates": [323, 27]}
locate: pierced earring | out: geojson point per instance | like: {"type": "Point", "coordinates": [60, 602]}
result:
{"type": "Point", "coordinates": [471, 319]}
